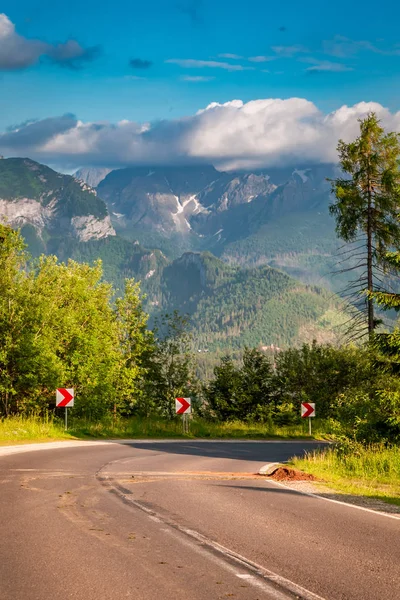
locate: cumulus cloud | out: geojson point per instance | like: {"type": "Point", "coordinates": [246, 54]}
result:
{"type": "Point", "coordinates": [31, 135]}
{"type": "Point", "coordinates": [256, 134]}
{"type": "Point", "coordinates": [191, 63]}
{"type": "Point", "coordinates": [18, 52]}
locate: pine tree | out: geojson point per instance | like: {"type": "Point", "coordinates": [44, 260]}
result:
{"type": "Point", "coordinates": [171, 367]}
{"type": "Point", "coordinates": [388, 344]}
{"type": "Point", "coordinates": [367, 205]}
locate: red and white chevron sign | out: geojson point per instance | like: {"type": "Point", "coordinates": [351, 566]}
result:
{"type": "Point", "coordinates": [65, 397]}
{"type": "Point", "coordinates": [307, 409]}
{"type": "Point", "coordinates": [183, 406]}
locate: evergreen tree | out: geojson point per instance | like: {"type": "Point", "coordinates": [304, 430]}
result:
{"type": "Point", "coordinates": [223, 394]}
{"type": "Point", "coordinates": [244, 393]}
{"type": "Point", "coordinates": [171, 369]}
{"type": "Point", "coordinates": [367, 204]}
{"type": "Point", "coordinates": [388, 344]}
{"type": "Point", "coordinates": [136, 344]}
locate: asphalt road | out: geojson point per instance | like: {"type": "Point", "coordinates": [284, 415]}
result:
{"type": "Point", "coordinates": [182, 521]}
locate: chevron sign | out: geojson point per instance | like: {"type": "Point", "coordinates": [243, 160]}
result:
{"type": "Point", "coordinates": [65, 397]}
{"type": "Point", "coordinates": [183, 406]}
{"type": "Point", "coordinates": [307, 409]}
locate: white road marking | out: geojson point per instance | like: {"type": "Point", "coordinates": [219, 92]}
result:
{"type": "Point", "coordinates": [273, 592]}
{"type": "Point", "coordinates": [348, 504]}
{"type": "Point", "coordinates": [270, 581]}
{"type": "Point", "coordinates": [251, 579]}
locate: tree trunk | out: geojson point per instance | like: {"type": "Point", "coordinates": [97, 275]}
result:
{"type": "Point", "coordinates": [370, 282]}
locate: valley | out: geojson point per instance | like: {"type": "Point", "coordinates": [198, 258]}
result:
{"type": "Point", "coordinates": [248, 256]}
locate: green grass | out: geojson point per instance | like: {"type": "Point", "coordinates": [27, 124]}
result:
{"type": "Point", "coordinates": [372, 471]}
{"type": "Point", "coordinates": [30, 429]}
{"type": "Point", "coordinates": [161, 428]}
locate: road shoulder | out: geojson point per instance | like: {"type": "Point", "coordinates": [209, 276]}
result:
{"type": "Point", "coordinates": [322, 490]}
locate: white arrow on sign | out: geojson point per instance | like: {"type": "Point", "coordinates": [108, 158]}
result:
{"type": "Point", "coordinates": [307, 409]}
{"type": "Point", "coordinates": [183, 406]}
{"type": "Point", "coordinates": [65, 397]}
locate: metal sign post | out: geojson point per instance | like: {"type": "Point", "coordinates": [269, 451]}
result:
{"type": "Point", "coordinates": [185, 423]}
{"type": "Point", "coordinates": [66, 418]}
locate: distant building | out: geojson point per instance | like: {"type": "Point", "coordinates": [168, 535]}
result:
{"type": "Point", "coordinates": [272, 348]}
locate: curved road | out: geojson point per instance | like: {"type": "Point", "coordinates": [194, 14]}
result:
{"type": "Point", "coordinates": [182, 520]}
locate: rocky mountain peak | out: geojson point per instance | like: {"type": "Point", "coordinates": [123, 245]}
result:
{"type": "Point", "coordinates": [32, 194]}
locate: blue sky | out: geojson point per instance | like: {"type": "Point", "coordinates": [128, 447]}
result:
{"type": "Point", "coordinates": [162, 59]}
{"type": "Point", "coordinates": [159, 30]}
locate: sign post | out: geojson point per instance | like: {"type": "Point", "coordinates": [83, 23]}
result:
{"type": "Point", "coordinates": [183, 406]}
{"type": "Point", "coordinates": [65, 398]}
{"type": "Point", "coordinates": [307, 412]}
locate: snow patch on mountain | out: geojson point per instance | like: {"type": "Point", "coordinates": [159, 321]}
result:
{"type": "Point", "coordinates": [301, 174]}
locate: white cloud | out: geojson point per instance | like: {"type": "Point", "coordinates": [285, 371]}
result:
{"type": "Point", "coordinates": [289, 51]}
{"type": "Point", "coordinates": [230, 56]}
{"type": "Point", "coordinates": [17, 52]}
{"type": "Point", "coordinates": [343, 47]}
{"type": "Point", "coordinates": [196, 78]}
{"type": "Point", "coordinates": [130, 78]}
{"type": "Point", "coordinates": [260, 133]}
{"type": "Point", "coordinates": [191, 63]}
{"type": "Point", "coordinates": [261, 59]}
{"type": "Point", "coordinates": [325, 65]}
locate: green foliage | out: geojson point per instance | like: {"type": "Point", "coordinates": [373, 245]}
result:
{"type": "Point", "coordinates": [171, 370]}
{"type": "Point", "coordinates": [367, 203]}
{"type": "Point", "coordinates": [321, 374]}
{"type": "Point", "coordinates": [232, 307]}
{"type": "Point", "coordinates": [59, 328]}
{"type": "Point", "coordinates": [373, 191]}
{"type": "Point", "coordinates": [242, 393]}
{"type": "Point", "coordinates": [359, 400]}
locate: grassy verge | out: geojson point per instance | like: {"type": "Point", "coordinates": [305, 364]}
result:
{"type": "Point", "coordinates": [199, 428]}
{"type": "Point", "coordinates": [20, 429]}
{"type": "Point", "coordinates": [32, 429]}
{"type": "Point", "coordinates": [372, 471]}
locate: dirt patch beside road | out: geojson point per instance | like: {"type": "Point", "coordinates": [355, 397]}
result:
{"type": "Point", "coordinates": [289, 474]}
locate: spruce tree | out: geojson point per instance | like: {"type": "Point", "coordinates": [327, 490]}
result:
{"type": "Point", "coordinates": [388, 344]}
{"type": "Point", "coordinates": [367, 205]}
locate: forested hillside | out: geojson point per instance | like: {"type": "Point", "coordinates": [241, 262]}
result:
{"type": "Point", "coordinates": [231, 307]}
{"type": "Point", "coordinates": [250, 219]}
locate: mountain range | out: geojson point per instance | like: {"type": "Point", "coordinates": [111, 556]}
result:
{"type": "Point", "coordinates": [277, 217]}
{"type": "Point", "coordinates": [243, 254]}
{"type": "Point", "coordinates": [47, 205]}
